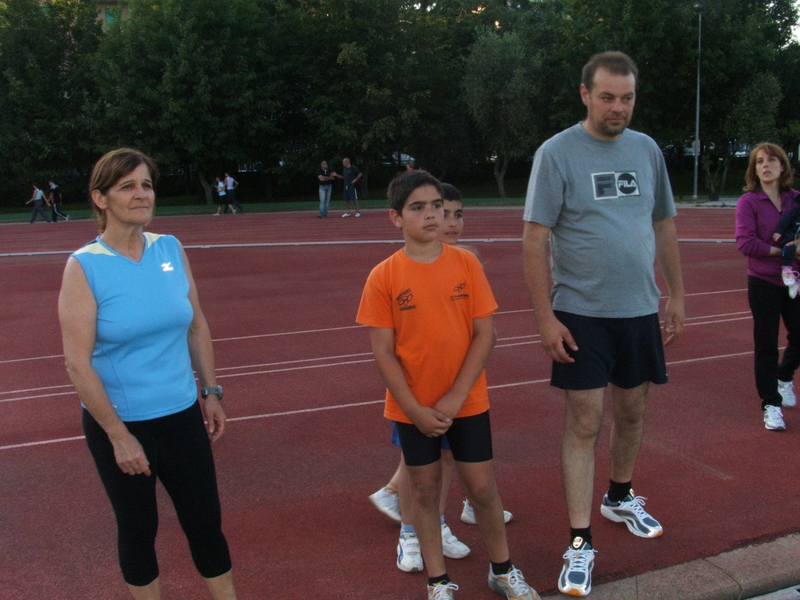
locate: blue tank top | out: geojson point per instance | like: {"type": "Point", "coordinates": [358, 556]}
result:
{"type": "Point", "coordinates": [141, 351]}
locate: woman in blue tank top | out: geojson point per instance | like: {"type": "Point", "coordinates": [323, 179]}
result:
{"type": "Point", "coordinates": [133, 332]}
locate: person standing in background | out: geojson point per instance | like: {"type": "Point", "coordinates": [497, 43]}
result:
{"type": "Point", "coordinates": [325, 177]}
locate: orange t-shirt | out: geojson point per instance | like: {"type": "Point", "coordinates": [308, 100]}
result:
{"type": "Point", "coordinates": [430, 306]}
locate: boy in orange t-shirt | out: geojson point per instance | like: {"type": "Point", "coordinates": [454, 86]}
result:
{"type": "Point", "coordinates": [429, 308]}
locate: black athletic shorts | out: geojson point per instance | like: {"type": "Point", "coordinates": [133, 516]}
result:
{"type": "Point", "coordinates": [470, 440]}
{"type": "Point", "coordinates": [625, 352]}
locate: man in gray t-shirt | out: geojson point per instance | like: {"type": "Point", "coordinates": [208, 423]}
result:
{"type": "Point", "coordinates": [600, 198]}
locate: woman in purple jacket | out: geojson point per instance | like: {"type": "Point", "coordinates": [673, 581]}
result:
{"type": "Point", "coordinates": [768, 196]}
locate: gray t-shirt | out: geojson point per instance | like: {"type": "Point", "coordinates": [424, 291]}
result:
{"type": "Point", "coordinates": [600, 199]}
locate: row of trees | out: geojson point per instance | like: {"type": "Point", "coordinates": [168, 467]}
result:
{"type": "Point", "coordinates": [205, 85]}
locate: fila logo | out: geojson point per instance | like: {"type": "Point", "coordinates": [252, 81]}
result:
{"type": "Point", "coordinates": [167, 266]}
{"type": "Point", "coordinates": [615, 185]}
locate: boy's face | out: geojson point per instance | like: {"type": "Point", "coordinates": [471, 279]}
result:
{"type": "Point", "coordinates": [421, 218]}
{"type": "Point", "coordinates": [453, 222]}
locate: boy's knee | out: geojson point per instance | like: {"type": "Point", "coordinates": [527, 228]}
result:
{"type": "Point", "coordinates": [483, 493]}
{"type": "Point", "coordinates": [426, 493]}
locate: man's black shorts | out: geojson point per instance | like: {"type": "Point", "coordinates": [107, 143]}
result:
{"type": "Point", "coordinates": [470, 440]}
{"type": "Point", "coordinates": [625, 352]}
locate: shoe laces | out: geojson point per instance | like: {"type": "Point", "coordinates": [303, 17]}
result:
{"type": "Point", "coordinates": [773, 411]}
{"type": "Point", "coordinates": [516, 581]}
{"type": "Point", "coordinates": [579, 559]}
{"type": "Point", "coordinates": [635, 504]}
{"type": "Point", "coordinates": [441, 591]}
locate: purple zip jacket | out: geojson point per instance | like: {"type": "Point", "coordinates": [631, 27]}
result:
{"type": "Point", "coordinates": [756, 220]}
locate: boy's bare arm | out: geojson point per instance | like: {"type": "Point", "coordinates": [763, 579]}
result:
{"type": "Point", "coordinates": [428, 420]}
{"type": "Point", "coordinates": [483, 338]}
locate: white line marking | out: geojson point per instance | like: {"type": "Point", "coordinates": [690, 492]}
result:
{"type": "Point", "coordinates": [368, 403]}
{"type": "Point", "coordinates": [334, 243]}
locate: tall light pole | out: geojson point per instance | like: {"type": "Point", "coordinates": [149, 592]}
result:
{"type": "Point", "coordinates": [698, 6]}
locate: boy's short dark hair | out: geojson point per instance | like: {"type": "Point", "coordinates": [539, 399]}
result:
{"type": "Point", "coordinates": [401, 187]}
{"type": "Point", "coordinates": [450, 192]}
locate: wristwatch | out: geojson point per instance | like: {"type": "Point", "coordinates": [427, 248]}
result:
{"type": "Point", "coordinates": [212, 390]}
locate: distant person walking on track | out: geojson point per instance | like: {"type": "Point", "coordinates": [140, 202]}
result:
{"type": "Point", "coordinates": [351, 177]}
{"type": "Point", "coordinates": [768, 196]}
{"type": "Point", "coordinates": [599, 195]}
{"type": "Point", "coordinates": [133, 332]}
{"type": "Point", "coordinates": [429, 309]}
{"type": "Point", "coordinates": [325, 178]}
{"type": "Point", "coordinates": [55, 201]}
{"type": "Point", "coordinates": [38, 200]}
{"type": "Point", "coordinates": [230, 187]}
{"type": "Point", "coordinates": [222, 198]}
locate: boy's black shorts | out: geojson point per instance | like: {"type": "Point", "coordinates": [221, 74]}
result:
{"type": "Point", "coordinates": [470, 440]}
{"type": "Point", "coordinates": [625, 352]}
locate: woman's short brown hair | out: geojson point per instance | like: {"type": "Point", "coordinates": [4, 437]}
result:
{"type": "Point", "coordinates": [751, 179]}
{"type": "Point", "coordinates": [111, 167]}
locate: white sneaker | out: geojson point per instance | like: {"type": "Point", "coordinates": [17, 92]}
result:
{"type": "Point", "coordinates": [409, 558]}
{"type": "Point", "coordinates": [214, 214]}
{"type": "Point", "coordinates": [441, 591]}
{"type": "Point", "coordinates": [358, 214]}
{"type": "Point", "coordinates": [345, 215]}
{"type": "Point", "coordinates": [629, 511]}
{"type": "Point", "coordinates": [512, 585]}
{"type": "Point", "coordinates": [234, 211]}
{"type": "Point", "coordinates": [786, 390]}
{"type": "Point", "coordinates": [468, 514]}
{"type": "Point", "coordinates": [388, 502]}
{"type": "Point", "coordinates": [773, 418]}
{"type": "Point", "coordinates": [451, 546]}
{"type": "Point", "coordinates": [576, 574]}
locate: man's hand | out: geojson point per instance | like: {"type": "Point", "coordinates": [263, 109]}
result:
{"type": "Point", "coordinates": [674, 316]}
{"type": "Point", "coordinates": [556, 338]}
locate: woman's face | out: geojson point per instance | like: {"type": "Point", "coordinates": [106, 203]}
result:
{"type": "Point", "coordinates": [768, 167]}
{"type": "Point", "coordinates": [131, 200]}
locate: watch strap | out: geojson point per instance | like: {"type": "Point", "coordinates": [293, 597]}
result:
{"type": "Point", "coordinates": [212, 390]}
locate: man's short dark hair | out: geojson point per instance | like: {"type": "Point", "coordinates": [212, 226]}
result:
{"type": "Point", "coordinates": [401, 187]}
{"type": "Point", "coordinates": [616, 63]}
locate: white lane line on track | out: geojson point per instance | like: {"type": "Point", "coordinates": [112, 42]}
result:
{"type": "Point", "coordinates": [283, 366]}
{"type": "Point", "coordinates": [334, 243]}
{"type": "Point", "coordinates": [371, 402]}
{"type": "Point", "coordinates": [328, 329]}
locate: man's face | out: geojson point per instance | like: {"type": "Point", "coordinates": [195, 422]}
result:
{"type": "Point", "coordinates": [609, 104]}
{"type": "Point", "coordinates": [324, 165]}
{"type": "Point", "coordinates": [346, 162]}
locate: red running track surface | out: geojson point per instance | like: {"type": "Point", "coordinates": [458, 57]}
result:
{"type": "Point", "coordinates": [306, 442]}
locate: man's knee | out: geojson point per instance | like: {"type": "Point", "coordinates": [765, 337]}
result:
{"type": "Point", "coordinates": [584, 413]}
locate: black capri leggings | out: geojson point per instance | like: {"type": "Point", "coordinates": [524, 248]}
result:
{"type": "Point", "coordinates": [179, 452]}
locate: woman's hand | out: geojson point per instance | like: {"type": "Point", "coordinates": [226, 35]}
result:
{"type": "Point", "coordinates": [129, 454]}
{"type": "Point", "coordinates": [214, 416]}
